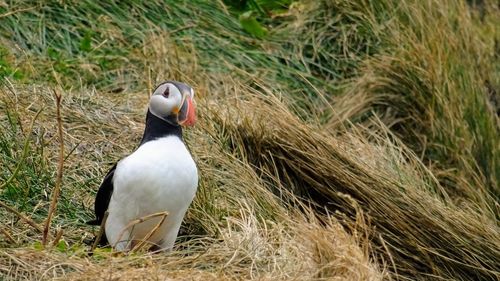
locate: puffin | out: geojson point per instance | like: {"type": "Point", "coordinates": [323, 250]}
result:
{"type": "Point", "coordinates": [159, 176]}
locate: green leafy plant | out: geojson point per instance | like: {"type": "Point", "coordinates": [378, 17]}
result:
{"type": "Point", "coordinates": [249, 22]}
{"type": "Point", "coordinates": [255, 14]}
{"type": "Point", "coordinates": [6, 68]}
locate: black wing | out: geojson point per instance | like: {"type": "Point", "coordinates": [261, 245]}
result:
{"type": "Point", "coordinates": [103, 196]}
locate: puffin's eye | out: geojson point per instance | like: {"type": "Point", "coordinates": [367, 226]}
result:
{"type": "Point", "coordinates": [166, 93]}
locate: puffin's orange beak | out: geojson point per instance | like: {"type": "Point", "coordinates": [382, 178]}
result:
{"type": "Point", "coordinates": [187, 114]}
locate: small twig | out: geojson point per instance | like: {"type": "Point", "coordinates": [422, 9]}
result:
{"type": "Point", "coordinates": [58, 237]}
{"type": "Point", "coordinates": [101, 232]}
{"type": "Point", "coordinates": [22, 217]}
{"type": "Point", "coordinates": [16, 260]}
{"type": "Point", "coordinates": [187, 26]}
{"type": "Point", "coordinates": [7, 235]}
{"type": "Point", "coordinates": [137, 221]}
{"type": "Point", "coordinates": [153, 231]}
{"type": "Point", "coordinates": [57, 188]}
{"type": "Point", "coordinates": [16, 11]}
{"type": "Point", "coordinates": [150, 87]}
{"type": "Point", "coordinates": [24, 154]}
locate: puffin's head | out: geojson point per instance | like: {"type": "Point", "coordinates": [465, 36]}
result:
{"type": "Point", "coordinates": [173, 102]}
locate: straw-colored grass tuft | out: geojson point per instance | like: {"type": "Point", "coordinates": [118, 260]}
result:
{"type": "Point", "coordinates": [358, 140]}
{"type": "Point", "coordinates": [413, 221]}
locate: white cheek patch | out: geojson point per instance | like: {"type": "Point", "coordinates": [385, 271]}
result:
{"type": "Point", "coordinates": [160, 106]}
{"type": "Point", "coordinates": [163, 107]}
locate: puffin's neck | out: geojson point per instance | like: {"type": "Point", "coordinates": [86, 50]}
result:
{"type": "Point", "coordinates": [158, 128]}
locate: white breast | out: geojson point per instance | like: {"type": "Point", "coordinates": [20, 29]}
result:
{"type": "Point", "coordinates": [159, 176]}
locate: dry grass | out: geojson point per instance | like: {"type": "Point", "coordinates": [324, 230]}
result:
{"type": "Point", "coordinates": [364, 149]}
{"type": "Point", "coordinates": [409, 211]}
{"type": "Point", "coordinates": [246, 231]}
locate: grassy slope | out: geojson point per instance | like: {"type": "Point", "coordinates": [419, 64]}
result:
{"type": "Point", "coordinates": [376, 112]}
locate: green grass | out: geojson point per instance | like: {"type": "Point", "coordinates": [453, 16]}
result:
{"type": "Point", "coordinates": [28, 170]}
{"type": "Point", "coordinates": [433, 79]}
{"type": "Point", "coordinates": [377, 120]}
{"type": "Point", "coordinates": [106, 45]}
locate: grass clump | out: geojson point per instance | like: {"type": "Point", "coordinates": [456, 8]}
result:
{"type": "Point", "coordinates": [426, 235]}
{"type": "Point", "coordinates": [431, 91]}
{"type": "Point", "coordinates": [356, 140]}
{"type": "Point", "coordinates": [236, 228]}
